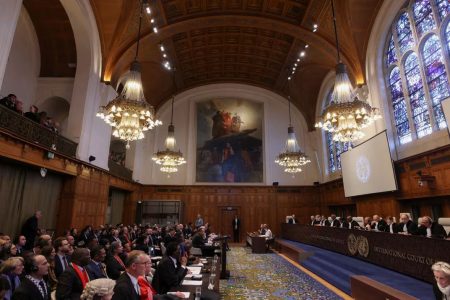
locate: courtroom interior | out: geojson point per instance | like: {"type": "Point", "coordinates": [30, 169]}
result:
{"type": "Point", "coordinates": [224, 149]}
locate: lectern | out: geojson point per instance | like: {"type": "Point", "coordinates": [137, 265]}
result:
{"type": "Point", "coordinates": [224, 274]}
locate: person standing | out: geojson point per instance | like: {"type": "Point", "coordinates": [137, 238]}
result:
{"type": "Point", "coordinates": [236, 229]}
{"type": "Point", "coordinates": [30, 229]}
{"type": "Point", "coordinates": [199, 221]}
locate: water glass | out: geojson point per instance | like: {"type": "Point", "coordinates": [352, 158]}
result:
{"type": "Point", "coordinates": [198, 293]}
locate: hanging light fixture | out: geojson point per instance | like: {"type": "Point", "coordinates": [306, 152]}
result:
{"type": "Point", "coordinates": [292, 159]}
{"type": "Point", "coordinates": [346, 115]}
{"type": "Point", "coordinates": [169, 159]}
{"type": "Point", "coordinates": [129, 114]}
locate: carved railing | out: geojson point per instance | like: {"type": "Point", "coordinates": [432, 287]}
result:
{"type": "Point", "coordinates": [26, 129]}
{"type": "Point", "coordinates": [119, 170]}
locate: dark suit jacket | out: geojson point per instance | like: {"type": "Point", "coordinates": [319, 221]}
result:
{"type": "Point", "coordinates": [381, 225]}
{"type": "Point", "coordinates": [437, 231]}
{"type": "Point", "coordinates": [124, 290]}
{"type": "Point", "coordinates": [437, 292]}
{"type": "Point", "coordinates": [412, 227]}
{"type": "Point", "coordinates": [197, 241]}
{"type": "Point", "coordinates": [336, 223]}
{"type": "Point", "coordinates": [59, 265]}
{"type": "Point", "coordinates": [113, 267]}
{"type": "Point", "coordinates": [167, 276]}
{"type": "Point", "coordinates": [27, 290]}
{"type": "Point", "coordinates": [69, 285]}
{"type": "Point", "coordinates": [394, 228]}
{"type": "Point", "coordinates": [29, 230]}
{"type": "Point", "coordinates": [94, 271]}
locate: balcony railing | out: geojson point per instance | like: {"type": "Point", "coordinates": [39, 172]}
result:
{"type": "Point", "coordinates": [119, 170]}
{"type": "Point", "coordinates": [26, 129]}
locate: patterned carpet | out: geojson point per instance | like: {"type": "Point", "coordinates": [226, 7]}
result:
{"type": "Point", "coordinates": [268, 276]}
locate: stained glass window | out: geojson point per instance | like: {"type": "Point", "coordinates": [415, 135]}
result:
{"type": "Point", "coordinates": [404, 33]}
{"type": "Point", "coordinates": [423, 17]}
{"type": "Point", "coordinates": [399, 107]}
{"type": "Point", "coordinates": [418, 82]}
{"type": "Point", "coordinates": [443, 8]}
{"type": "Point", "coordinates": [436, 77]}
{"type": "Point", "coordinates": [418, 103]}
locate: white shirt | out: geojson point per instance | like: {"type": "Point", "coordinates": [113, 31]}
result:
{"type": "Point", "coordinates": [268, 234]}
{"type": "Point", "coordinates": [428, 232]}
{"type": "Point", "coordinates": [391, 228]}
{"type": "Point", "coordinates": [135, 283]}
{"type": "Point", "coordinates": [61, 259]}
{"type": "Point", "coordinates": [405, 228]}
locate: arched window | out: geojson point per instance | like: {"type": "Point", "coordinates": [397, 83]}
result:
{"type": "Point", "coordinates": [415, 66]}
{"type": "Point", "coordinates": [334, 149]}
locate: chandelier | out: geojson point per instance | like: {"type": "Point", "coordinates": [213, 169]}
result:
{"type": "Point", "coordinates": [129, 113]}
{"type": "Point", "coordinates": [169, 159]}
{"type": "Point", "coordinates": [346, 115]}
{"type": "Point", "coordinates": [292, 159]}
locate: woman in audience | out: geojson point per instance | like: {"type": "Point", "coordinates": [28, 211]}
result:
{"type": "Point", "coordinates": [99, 289]}
{"type": "Point", "coordinates": [9, 250]}
{"type": "Point", "coordinates": [11, 269]}
{"type": "Point", "coordinates": [114, 263]}
{"type": "Point", "coordinates": [50, 253]}
{"type": "Point", "coordinates": [441, 287]}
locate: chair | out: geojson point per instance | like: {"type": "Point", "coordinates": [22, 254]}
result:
{"type": "Point", "coordinates": [446, 223]}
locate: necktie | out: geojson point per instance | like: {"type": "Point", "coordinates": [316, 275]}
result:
{"type": "Point", "coordinates": [65, 262]}
{"type": "Point", "coordinates": [100, 266]}
{"type": "Point", "coordinates": [44, 289]}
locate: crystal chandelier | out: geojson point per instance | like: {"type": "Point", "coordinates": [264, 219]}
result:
{"type": "Point", "coordinates": [169, 159]}
{"type": "Point", "coordinates": [292, 159]}
{"type": "Point", "coordinates": [129, 114]}
{"type": "Point", "coordinates": [346, 115]}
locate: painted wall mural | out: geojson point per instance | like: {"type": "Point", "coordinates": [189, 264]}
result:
{"type": "Point", "coordinates": [229, 141]}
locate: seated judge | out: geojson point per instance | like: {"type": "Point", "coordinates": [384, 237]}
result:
{"type": "Point", "coordinates": [334, 222]}
{"type": "Point", "coordinates": [311, 222]}
{"type": "Point", "coordinates": [391, 226]}
{"type": "Point", "coordinates": [407, 226]}
{"type": "Point", "coordinates": [170, 271]}
{"type": "Point", "coordinates": [99, 289]}
{"type": "Point", "coordinates": [367, 223]}
{"type": "Point", "coordinates": [378, 224]}
{"type": "Point", "coordinates": [73, 280]}
{"type": "Point", "coordinates": [292, 220]}
{"type": "Point", "coordinates": [441, 287]}
{"type": "Point", "coordinates": [323, 221]}
{"type": "Point", "coordinates": [349, 223]}
{"type": "Point", "coordinates": [431, 229]}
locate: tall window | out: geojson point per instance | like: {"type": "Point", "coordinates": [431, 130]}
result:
{"type": "Point", "coordinates": [334, 149]}
{"type": "Point", "coordinates": [415, 59]}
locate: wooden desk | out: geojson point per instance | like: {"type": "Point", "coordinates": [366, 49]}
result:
{"type": "Point", "coordinates": [257, 243]}
{"type": "Point", "coordinates": [407, 254]}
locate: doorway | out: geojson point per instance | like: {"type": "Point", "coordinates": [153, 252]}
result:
{"type": "Point", "coordinates": [226, 220]}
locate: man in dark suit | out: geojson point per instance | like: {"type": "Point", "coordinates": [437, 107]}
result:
{"type": "Point", "coordinates": [73, 280]}
{"type": "Point", "coordinates": [61, 246]}
{"type": "Point", "coordinates": [391, 226]}
{"type": "Point", "coordinates": [292, 220]}
{"type": "Point", "coordinates": [431, 229]}
{"type": "Point", "coordinates": [321, 220]}
{"type": "Point", "coordinates": [30, 229]}
{"type": "Point", "coordinates": [334, 222]}
{"type": "Point", "coordinates": [378, 224]}
{"type": "Point", "coordinates": [349, 223]}
{"type": "Point", "coordinates": [236, 225]}
{"type": "Point", "coordinates": [96, 268]}
{"type": "Point", "coordinates": [33, 286]}
{"type": "Point", "coordinates": [407, 226]}
{"type": "Point", "coordinates": [171, 236]}
{"type": "Point", "coordinates": [171, 270]}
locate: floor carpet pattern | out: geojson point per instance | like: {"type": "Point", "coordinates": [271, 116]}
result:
{"type": "Point", "coordinates": [268, 276]}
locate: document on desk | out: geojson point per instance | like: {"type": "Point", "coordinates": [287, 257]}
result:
{"type": "Point", "coordinates": [192, 282]}
{"type": "Point", "coordinates": [197, 265]}
{"type": "Point", "coordinates": [186, 294]}
{"type": "Point", "coordinates": [195, 270]}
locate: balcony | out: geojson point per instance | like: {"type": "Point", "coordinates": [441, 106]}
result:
{"type": "Point", "coordinates": [25, 129]}
{"type": "Point", "coordinates": [119, 170]}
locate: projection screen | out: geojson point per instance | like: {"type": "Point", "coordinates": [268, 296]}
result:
{"type": "Point", "coordinates": [368, 168]}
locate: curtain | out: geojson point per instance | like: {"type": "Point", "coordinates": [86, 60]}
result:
{"type": "Point", "coordinates": [22, 192]}
{"type": "Point", "coordinates": [117, 200]}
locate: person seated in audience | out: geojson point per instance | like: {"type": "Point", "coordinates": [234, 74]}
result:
{"type": "Point", "coordinates": [33, 286]}
{"type": "Point", "coordinates": [61, 246]}
{"type": "Point", "coordinates": [8, 250]}
{"type": "Point", "coordinates": [115, 236]}
{"type": "Point", "coordinates": [11, 270]}
{"type": "Point", "coordinates": [431, 229]}
{"type": "Point", "coordinates": [407, 226]}
{"type": "Point", "coordinates": [349, 223]}
{"type": "Point", "coordinates": [321, 221]}
{"type": "Point", "coordinates": [378, 224]}
{"type": "Point", "coordinates": [96, 268]}
{"type": "Point", "coordinates": [114, 263]}
{"type": "Point", "coordinates": [18, 107]}
{"type": "Point", "coordinates": [33, 114]}
{"type": "Point", "coordinates": [367, 223]}
{"type": "Point", "coordinates": [124, 236]}
{"type": "Point", "coordinates": [188, 231]}
{"type": "Point", "coordinates": [391, 226]}
{"type": "Point", "coordinates": [49, 254]}
{"type": "Point", "coordinates": [20, 242]}
{"type": "Point", "coordinates": [441, 287]}
{"type": "Point", "coordinates": [142, 244]}
{"type": "Point", "coordinates": [198, 240]}
{"type": "Point", "coordinates": [171, 271]}
{"type": "Point", "coordinates": [9, 101]}
{"type": "Point", "coordinates": [4, 287]}
{"type": "Point", "coordinates": [312, 219]}
{"type": "Point", "coordinates": [99, 289]}
{"type": "Point", "coordinates": [73, 280]}
{"type": "Point", "coordinates": [170, 236]}
{"type": "Point", "coordinates": [334, 222]}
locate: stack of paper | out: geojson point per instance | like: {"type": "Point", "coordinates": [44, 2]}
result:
{"type": "Point", "coordinates": [195, 270]}
{"type": "Point", "coordinates": [191, 282]}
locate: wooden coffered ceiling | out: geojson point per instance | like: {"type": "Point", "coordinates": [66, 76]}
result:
{"type": "Point", "coordinates": [253, 42]}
